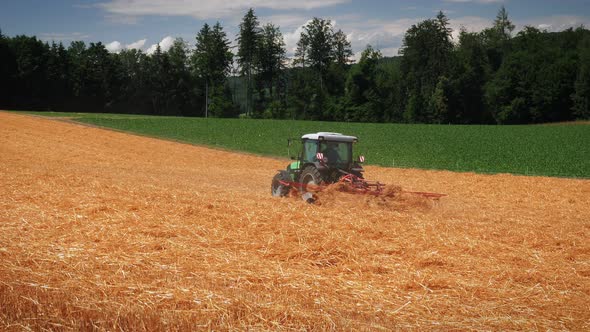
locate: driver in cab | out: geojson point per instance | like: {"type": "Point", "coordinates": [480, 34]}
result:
{"type": "Point", "coordinates": [330, 151]}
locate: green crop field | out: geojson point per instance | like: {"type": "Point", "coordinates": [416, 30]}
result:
{"type": "Point", "coordinates": [552, 150]}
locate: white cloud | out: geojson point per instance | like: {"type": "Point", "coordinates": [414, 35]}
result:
{"type": "Point", "coordinates": [204, 9]}
{"type": "Point", "coordinates": [385, 35]}
{"type": "Point", "coordinates": [554, 23]}
{"type": "Point", "coordinates": [136, 45]}
{"type": "Point", "coordinates": [114, 47]}
{"type": "Point", "coordinates": [165, 45]}
{"type": "Point", "coordinates": [291, 38]}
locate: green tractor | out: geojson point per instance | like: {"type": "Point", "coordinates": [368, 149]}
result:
{"type": "Point", "coordinates": [325, 158]}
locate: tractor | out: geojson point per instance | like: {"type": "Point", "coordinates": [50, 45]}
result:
{"type": "Point", "coordinates": [325, 158]}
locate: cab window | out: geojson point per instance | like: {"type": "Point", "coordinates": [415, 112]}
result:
{"type": "Point", "coordinates": [310, 148]}
{"type": "Point", "coordinates": [336, 152]}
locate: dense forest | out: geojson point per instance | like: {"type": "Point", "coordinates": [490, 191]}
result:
{"type": "Point", "coordinates": [494, 76]}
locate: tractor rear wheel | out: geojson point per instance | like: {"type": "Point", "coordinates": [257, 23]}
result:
{"type": "Point", "coordinates": [277, 189]}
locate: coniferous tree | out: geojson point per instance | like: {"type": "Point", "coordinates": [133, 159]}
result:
{"type": "Point", "coordinates": [497, 38]}
{"type": "Point", "coordinates": [211, 63]}
{"type": "Point", "coordinates": [271, 57]}
{"type": "Point", "coordinates": [159, 77]}
{"type": "Point", "coordinates": [319, 39]}
{"type": "Point", "coordinates": [202, 62]}
{"type": "Point", "coordinates": [30, 77]}
{"type": "Point", "coordinates": [469, 74]}
{"type": "Point", "coordinates": [301, 51]}
{"type": "Point", "coordinates": [316, 51]}
{"type": "Point", "coordinates": [248, 44]}
{"type": "Point", "coordinates": [502, 24]}
{"type": "Point", "coordinates": [133, 72]}
{"type": "Point", "coordinates": [338, 69]}
{"type": "Point", "coordinates": [58, 69]}
{"type": "Point", "coordinates": [426, 56]}
{"type": "Point", "coordinates": [76, 54]}
{"type": "Point", "coordinates": [341, 48]}
{"type": "Point", "coordinates": [180, 88]}
{"type": "Point", "coordinates": [98, 74]}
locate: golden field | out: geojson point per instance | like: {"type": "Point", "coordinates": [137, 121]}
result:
{"type": "Point", "coordinates": [104, 230]}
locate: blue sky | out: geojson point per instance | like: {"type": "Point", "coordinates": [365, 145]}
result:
{"type": "Point", "coordinates": [144, 23]}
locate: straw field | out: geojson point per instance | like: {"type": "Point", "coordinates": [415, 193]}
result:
{"type": "Point", "coordinates": [104, 230]}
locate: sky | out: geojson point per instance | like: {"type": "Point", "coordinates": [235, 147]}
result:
{"type": "Point", "coordinates": [142, 24]}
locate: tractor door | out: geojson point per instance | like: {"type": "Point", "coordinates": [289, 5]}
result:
{"type": "Point", "coordinates": [309, 151]}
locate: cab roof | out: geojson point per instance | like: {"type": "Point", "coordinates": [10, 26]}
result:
{"type": "Point", "coordinates": [328, 136]}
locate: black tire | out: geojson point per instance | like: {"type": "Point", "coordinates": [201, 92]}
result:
{"type": "Point", "coordinates": [310, 176]}
{"type": "Point", "coordinates": [277, 189]}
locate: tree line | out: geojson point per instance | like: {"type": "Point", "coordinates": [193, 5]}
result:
{"type": "Point", "coordinates": [488, 77]}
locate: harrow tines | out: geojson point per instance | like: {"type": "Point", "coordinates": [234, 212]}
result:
{"type": "Point", "coordinates": [357, 185]}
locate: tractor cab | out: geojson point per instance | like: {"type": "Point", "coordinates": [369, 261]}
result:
{"type": "Point", "coordinates": [327, 150]}
{"type": "Point", "coordinates": [329, 154]}
{"type": "Point", "coordinates": [325, 158]}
